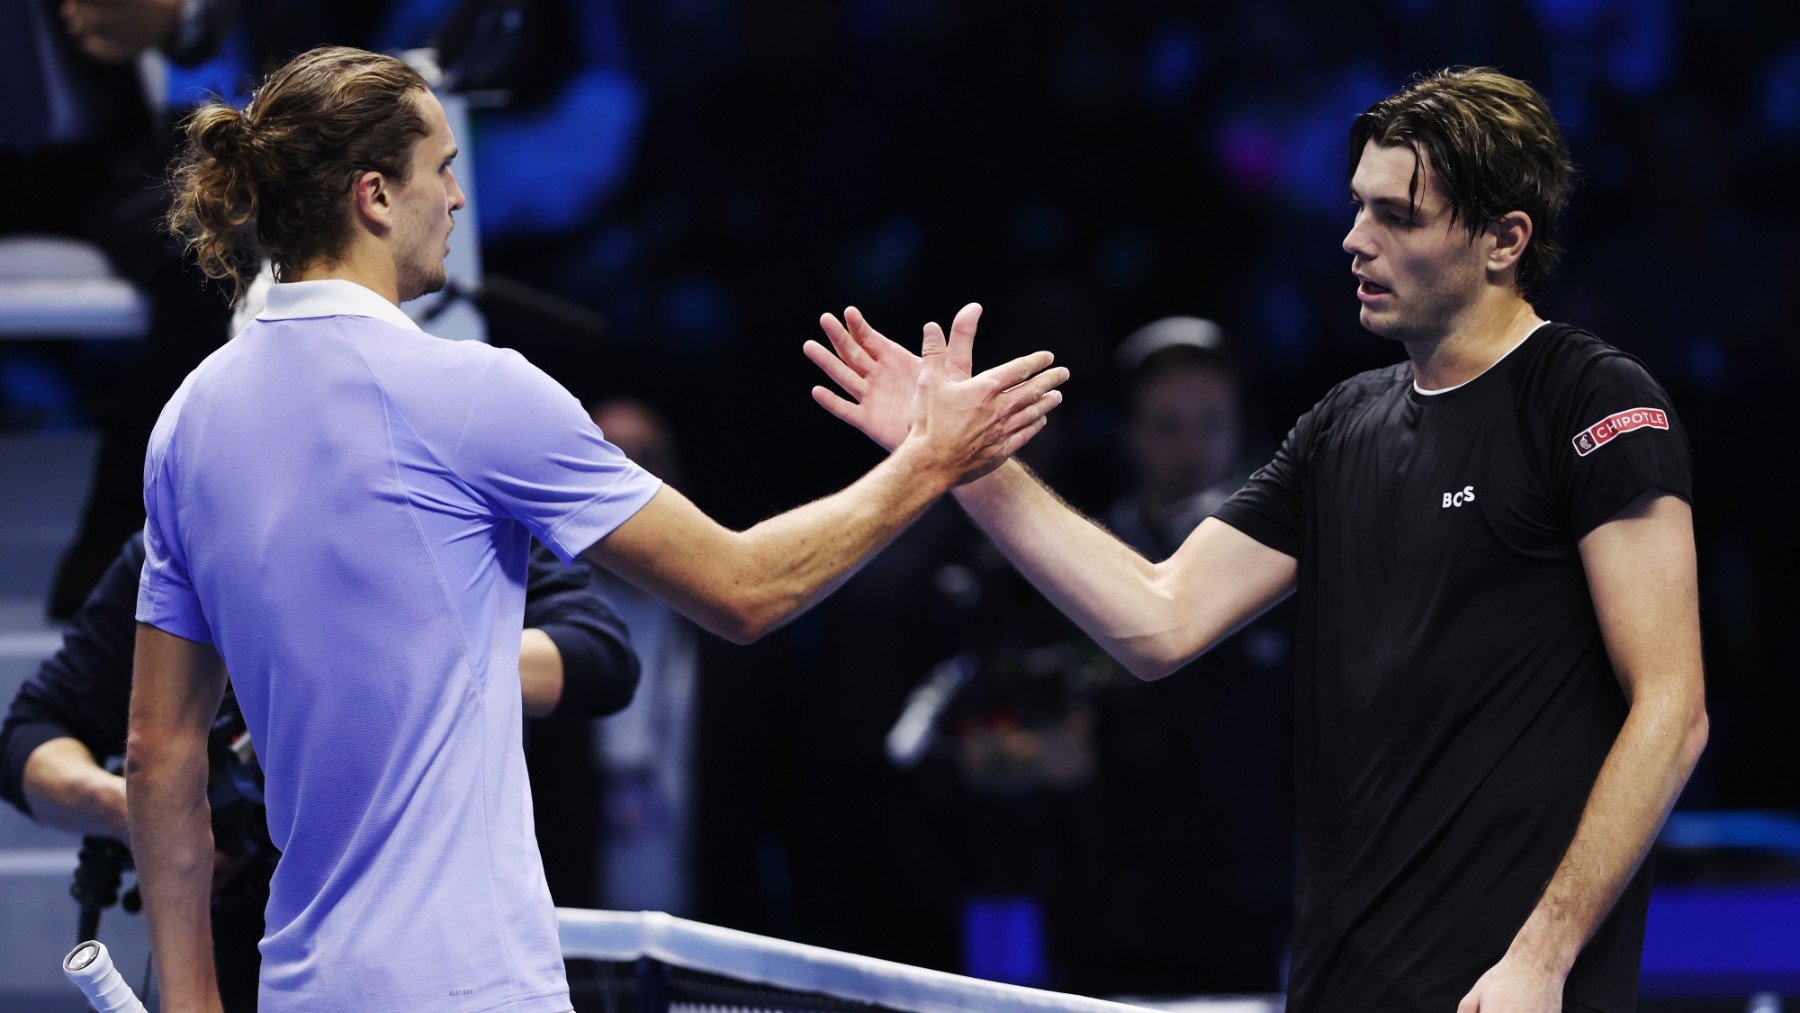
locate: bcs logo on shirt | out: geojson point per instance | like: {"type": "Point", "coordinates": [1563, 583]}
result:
{"type": "Point", "coordinates": [1602, 432]}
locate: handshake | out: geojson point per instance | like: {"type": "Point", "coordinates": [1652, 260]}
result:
{"type": "Point", "coordinates": [968, 423]}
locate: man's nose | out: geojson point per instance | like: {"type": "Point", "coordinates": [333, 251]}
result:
{"type": "Point", "coordinates": [1356, 240]}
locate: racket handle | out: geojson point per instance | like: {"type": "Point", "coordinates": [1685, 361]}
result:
{"type": "Point", "coordinates": [90, 967]}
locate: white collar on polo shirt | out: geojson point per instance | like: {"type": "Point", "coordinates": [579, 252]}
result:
{"type": "Point", "coordinates": [330, 297]}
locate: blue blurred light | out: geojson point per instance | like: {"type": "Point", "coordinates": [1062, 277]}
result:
{"type": "Point", "coordinates": [1172, 67]}
{"type": "Point", "coordinates": [1706, 360]}
{"type": "Point", "coordinates": [1780, 98]}
{"type": "Point", "coordinates": [1125, 258]}
{"type": "Point", "coordinates": [1721, 940]}
{"type": "Point", "coordinates": [1317, 143]}
{"type": "Point", "coordinates": [228, 75]}
{"type": "Point", "coordinates": [410, 23]}
{"type": "Point", "coordinates": [1285, 333]}
{"type": "Point", "coordinates": [32, 388]}
{"type": "Point", "coordinates": [882, 263]}
{"type": "Point", "coordinates": [1040, 229]}
{"type": "Point", "coordinates": [549, 170]}
{"type": "Point", "coordinates": [1743, 829]}
{"type": "Point", "coordinates": [695, 313]}
{"type": "Point", "coordinates": [1003, 940]}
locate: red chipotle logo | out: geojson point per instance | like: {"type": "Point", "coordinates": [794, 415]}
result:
{"type": "Point", "coordinates": [1602, 432]}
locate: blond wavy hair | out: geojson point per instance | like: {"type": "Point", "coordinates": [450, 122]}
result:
{"type": "Point", "coordinates": [269, 182]}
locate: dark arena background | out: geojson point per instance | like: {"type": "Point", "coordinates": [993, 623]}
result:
{"type": "Point", "coordinates": [932, 767]}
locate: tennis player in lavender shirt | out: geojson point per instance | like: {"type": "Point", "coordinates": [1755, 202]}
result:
{"type": "Point", "coordinates": [339, 512]}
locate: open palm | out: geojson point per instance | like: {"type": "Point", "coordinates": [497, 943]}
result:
{"type": "Point", "coordinates": [880, 375]}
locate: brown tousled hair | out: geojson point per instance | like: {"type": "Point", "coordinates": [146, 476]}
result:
{"type": "Point", "coordinates": [269, 181]}
{"type": "Point", "coordinates": [1493, 143]}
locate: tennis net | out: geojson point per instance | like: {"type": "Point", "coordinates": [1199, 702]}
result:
{"type": "Point", "coordinates": [646, 962]}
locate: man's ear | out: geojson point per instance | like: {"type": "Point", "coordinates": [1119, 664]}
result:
{"type": "Point", "coordinates": [1511, 235]}
{"type": "Point", "coordinates": [371, 201]}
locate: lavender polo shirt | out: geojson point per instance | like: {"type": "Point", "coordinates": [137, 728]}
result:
{"type": "Point", "coordinates": [342, 505]}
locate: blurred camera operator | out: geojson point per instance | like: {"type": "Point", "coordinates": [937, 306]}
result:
{"type": "Point", "coordinates": [1177, 840]}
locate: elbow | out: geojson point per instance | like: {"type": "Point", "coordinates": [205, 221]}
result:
{"type": "Point", "coordinates": [1163, 635]}
{"type": "Point", "coordinates": [140, 754]}
{"type": "Point", "coordinates": [151, 755]}
{"type": "Point", "coordinates": [746, 598]}
{"type": "Point", "coordinates": [1698, 730]}
{"type": "Point", "coordinates": [757, 606]}
{"type": "Point", "coordinates": [1160, 649]}
{"type": "Point", "coordinates": [600, 676]}
{"type": "Point", "coordinates": [1679, 720]}
{"type": "Point", "coordinates": [1152, 658]}
{"type": "Point", "coordinates": [746, 623]}
{"type": "Point", "coordinates": [742, 636]}
{"type": "Point", "coordinates": [1149, 668]}
{"type": "Point", "coordinates": [626, 687]}
{"type": "Point", "coordinates": [1686, 711]}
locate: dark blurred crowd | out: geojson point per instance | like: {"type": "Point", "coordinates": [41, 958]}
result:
{"type": "Point", "coordinates": [710, 175]}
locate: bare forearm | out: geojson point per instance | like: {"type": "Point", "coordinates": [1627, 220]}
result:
{"type": "Point", "coordinates": [786, 564]}
{"type": "Point", "coordinates": [176, 688]}
{"type": "Point", "coordinates": [1649, 763]}
{"type": "Point", "coordinates": [742, 584]}
{"type": "Point", "coordinates": [69, 791]}
{"type": "Point", "coordinates": [171, 842]}
{"type": "Point", "coordinates": [1104, 585]}
{"type": "Point", "coordinates": [1152, 617]}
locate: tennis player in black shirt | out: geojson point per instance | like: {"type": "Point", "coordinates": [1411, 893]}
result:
{"type": "Point", "coordinates": [1499, 688]}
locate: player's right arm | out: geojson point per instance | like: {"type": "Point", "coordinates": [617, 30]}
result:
{"type": "Point", "coordinates": [176, 690]}
{"type": "Point", "coordinates": [742, 584]}
{"type": "Point", "coordinates": [1151, 617]}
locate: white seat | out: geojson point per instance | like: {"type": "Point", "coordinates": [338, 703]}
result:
{"type": "Point", "coordinates": [54, 287]}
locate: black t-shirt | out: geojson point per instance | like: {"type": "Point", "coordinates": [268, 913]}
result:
{"type": "Point", "coordinates": [1454, 700]}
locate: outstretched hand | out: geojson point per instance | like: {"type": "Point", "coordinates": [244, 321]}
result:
{"type": "Point", "coordinates": [973, 422]}
{"type": "Point", "coordinates": [880, 376]}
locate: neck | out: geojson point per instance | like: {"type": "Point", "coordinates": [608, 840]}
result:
{"type": "Point", "coordinates": [1472, 344]}
{"type": "Point", "coordinates": [368, 268]}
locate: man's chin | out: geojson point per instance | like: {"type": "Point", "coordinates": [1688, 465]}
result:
{"type": "Point", "coordinates": [424, 287]}
{"type": "Point", "coordinates": [1381, 325]}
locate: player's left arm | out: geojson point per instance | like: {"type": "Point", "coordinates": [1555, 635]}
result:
{"type": "Point", "coordinates": [1641, 574]}
{"type": "Point", "coordinates": [175, 693]}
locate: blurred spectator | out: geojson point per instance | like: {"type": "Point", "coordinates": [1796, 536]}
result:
{"type": "Point", "coordinates": [624, 841]}
{"type": "Point", "coordinates": [1184, 432]}
{"type": "Point", "coordinates": [646, 751]}
{"type": "Point", "coordinates": [1193, 888]}
{"type": "Point", "coordinates": [81, 154]}
{"type": "Point", "coordinates": [1083, 169]}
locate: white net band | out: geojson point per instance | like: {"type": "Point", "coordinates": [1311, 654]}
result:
{"type": "Point", "coordinates": [621, 936]}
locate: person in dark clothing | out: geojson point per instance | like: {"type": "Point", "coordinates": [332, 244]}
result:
{"type": "Point", "coordinates": [575, 661]}
{"type": "Point", "coordinates": [1177, 839]}
{"type": "Point", "coordinates": [1499, 690]}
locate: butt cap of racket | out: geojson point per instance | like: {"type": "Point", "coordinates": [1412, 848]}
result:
{"type": "Point", "coordinates": [90, 967]}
